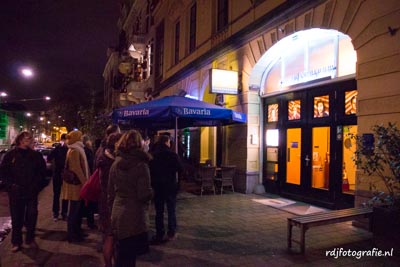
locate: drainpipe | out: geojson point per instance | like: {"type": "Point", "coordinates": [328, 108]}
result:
{"type": "Point", "coordinates": [259, 188]}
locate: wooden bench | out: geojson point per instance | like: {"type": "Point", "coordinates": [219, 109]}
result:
{"type": "Point", "coordinates": [304, 222]}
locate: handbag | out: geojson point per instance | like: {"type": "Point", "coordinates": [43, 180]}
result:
{"type": "Point", "coordinates": [69, 176]}
{"type": "Point", "coordinates": [91, 189]}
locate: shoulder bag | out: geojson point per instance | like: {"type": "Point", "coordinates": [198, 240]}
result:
{"type": "Point", "coordinates": [69, 176]}
{"type": "Point", "coordinates": [91, 189]}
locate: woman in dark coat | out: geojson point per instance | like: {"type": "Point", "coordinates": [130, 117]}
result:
{"type": "Point", "coordinates": [130, 182]}
{"type": "Point", "coordinates": [104, 161]}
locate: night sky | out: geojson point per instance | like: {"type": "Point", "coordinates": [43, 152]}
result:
{"type": "Point", "coordinates": [60, 39]}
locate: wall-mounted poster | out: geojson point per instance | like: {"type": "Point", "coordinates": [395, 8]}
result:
{"type": "Point", "coordinates": [294, 108]}
{"type": "Point", "coordinates": [273, 113]}
{"type": "Point", "coordinates": [350, 102]}
{"type": "Point", "coordinates": [321, 106]}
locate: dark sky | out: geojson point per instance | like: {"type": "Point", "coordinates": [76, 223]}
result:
{"type": "Point", "coordinates": [60, 39]}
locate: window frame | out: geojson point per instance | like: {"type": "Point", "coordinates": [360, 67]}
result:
{"type": "Point", "coordinates": [192, 27]}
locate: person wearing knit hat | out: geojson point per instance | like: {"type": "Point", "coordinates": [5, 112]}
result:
{"type": "Point", "coordinates": [77, 163]}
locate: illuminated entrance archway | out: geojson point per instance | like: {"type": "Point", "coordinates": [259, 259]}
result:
{"type": "Point", "coordinates": [305, 56]}
{"type": "Point", "coordinates": [307, 86]}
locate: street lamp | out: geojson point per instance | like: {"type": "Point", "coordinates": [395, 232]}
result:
{"type": "Point", "coordinates": [46, 98]}
{"type": "Point", "coordinates": [27, 72]}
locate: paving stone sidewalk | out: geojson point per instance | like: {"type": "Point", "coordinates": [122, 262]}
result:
{"type": "Point", "coordinates": [221, 230]}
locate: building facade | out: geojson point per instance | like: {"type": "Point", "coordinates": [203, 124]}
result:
{"type": "Point", "coordinates": [310, 75]}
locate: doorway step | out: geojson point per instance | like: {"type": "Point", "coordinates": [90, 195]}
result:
{"type": "Point", "coordinates": [295, 207]}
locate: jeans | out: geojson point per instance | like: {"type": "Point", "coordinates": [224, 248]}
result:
{"type": "Point", "coordinates": [24, 211]}
{"type": "Point", "coordinates": [160, 200]}
{"type": "Point", "coordinates": [57, 184]}
{"type": "Point", "coordinates": [74, 220]}
{"type": "Point", "coordinates": [128, 249]}
{"type": "Point", "coordinates": [88, 211]}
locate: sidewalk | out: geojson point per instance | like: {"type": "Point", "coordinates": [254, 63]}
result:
{"type": "Point", "coordinates": [221, 230]}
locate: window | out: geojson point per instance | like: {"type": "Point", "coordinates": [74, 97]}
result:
{"type": "Point", "coordinates": [294, 110]}
{"type": "Point", "coordinates": [321, 106]}
{"type": "Point", "coordinates": [192, 30]}
{"type": "Point", "coordinates": [222, 14]}
{"type": "Point", "coordinates": [159, 64]}
{"type": "Point", "coordinates": [273, 113]}
{"type": "Point", "coordinates": [350, 102]}
{"type": "Point", "coordinates": [177, 37]}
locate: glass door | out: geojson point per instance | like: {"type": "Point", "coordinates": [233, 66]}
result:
{"type": "Point", "coordinates": [308, 138]}
{"type": "Point", "coordinates": [320, 157]}
{"type": "Point", "coordinates": [309, 147]}
{"type": "Point", "coordinates": [293, 156]}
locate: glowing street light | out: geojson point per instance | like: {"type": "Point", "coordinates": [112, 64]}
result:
{"type": "Point", "coordinates": [4, 94]}
{"type": "Point", "coordinates": [46, 98]}
{"type": "Point", "coordinates": [27, 72]}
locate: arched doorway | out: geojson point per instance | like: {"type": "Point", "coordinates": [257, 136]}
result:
{"type": "Point", "coordinates": [309, 92]}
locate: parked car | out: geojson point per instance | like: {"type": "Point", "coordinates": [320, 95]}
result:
{"type": "Point", "coordinates": [56, 144]}
{"type": "Point", "coordinates": [49, 164]}
{"type": "Point", "coordinates": [2, 153]}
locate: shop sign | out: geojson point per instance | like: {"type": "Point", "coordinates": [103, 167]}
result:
{"type": "Point", "coordinates": [310, 75]}
{"type": "Point", "coordinates": [224, 82]}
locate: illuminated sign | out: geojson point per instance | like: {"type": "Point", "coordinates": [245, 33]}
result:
{"type": "Point", "coordinates": [310, 75]}
{"type": "Point", "coordinates": [224, 82]}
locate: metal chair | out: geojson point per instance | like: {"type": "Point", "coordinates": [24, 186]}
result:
{"type": "Point", "coordinates": [206, 174]}
{"type": "Point", "coordinates": [227, 173]}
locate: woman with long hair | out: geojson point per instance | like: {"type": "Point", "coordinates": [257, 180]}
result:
{"type": "Point", "coordinates": [104, 161]}
{"type": "Point", "coordinates": [129, 181]}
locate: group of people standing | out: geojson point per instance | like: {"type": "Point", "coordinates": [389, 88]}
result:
{"type": "Point", "coordinates": [131, 175]}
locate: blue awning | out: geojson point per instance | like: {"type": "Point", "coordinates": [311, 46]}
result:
{"type": "Point", "coordinates": [163, 113]}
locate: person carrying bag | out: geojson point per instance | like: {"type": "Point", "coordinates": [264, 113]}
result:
{"type": "Point", "coordinates": [69, 176]}
{"type": "Point", "coordinates": [76, 162]}
{"type": "Point", "coordinates": [91, 189]}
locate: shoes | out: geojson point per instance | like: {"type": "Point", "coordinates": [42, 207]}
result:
{"type": "Point", "coordinates": [75, 239]}
{"type": "Point", "coordinates": [172, 236]}
{"type": "Point", "coordinates": [16, 248]}
{"type": "Point", "coordinates": [32, 245]}
{"type": "Point", "coordinates": [93, 227]}
{"type": "Point", "coordinates": [156, 240]}
{"type": "Point", "coordinates": [64, 217]}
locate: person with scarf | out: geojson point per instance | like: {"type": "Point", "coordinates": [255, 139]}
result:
{"type": "Point", "coordinates": [77, 163]}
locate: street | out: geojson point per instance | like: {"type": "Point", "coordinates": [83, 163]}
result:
{"type": "Point", "coordinates": [213, 230]}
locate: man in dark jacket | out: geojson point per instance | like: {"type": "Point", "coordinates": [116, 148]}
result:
{"type": "Point", "coordinates": [58, 155]}
{"type": "Point", "coordinates": [24, 170]}
{"type": "Point", "coordinates": [163, 169]}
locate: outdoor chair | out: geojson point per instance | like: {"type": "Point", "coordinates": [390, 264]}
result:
{"type": "Point", "coordinates": [226, 179]}
{"type": "Point", "coordinates": [206, 176]}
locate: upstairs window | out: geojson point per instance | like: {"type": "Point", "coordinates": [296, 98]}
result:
{"type": "Point", "coordinates": [222, 14]}
{"type": "Point", "coordinates": [177, 37]}
{"type": "Point", "coordinates": [192, 29]}
{"type": "Point", "coordinates": [159, 63]}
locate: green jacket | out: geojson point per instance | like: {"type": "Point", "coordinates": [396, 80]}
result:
{"type": "Point", "coordinates": [130, 184]}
